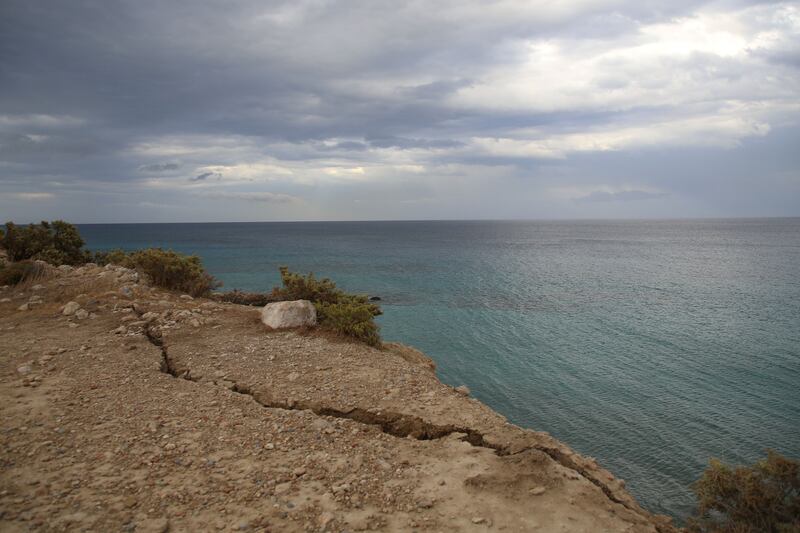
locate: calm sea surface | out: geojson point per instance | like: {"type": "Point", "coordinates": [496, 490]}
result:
{"type": "Point", "coordinates": [651, 346]}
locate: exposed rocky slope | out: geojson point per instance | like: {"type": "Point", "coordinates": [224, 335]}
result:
{"type": "Point", "coordinates": [136, 409]}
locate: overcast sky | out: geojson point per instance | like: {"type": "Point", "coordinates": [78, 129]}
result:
{"type": "Point", "coordinates": [229, 110]}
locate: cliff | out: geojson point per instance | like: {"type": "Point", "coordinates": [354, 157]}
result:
{"type": "Point", "coordinates": [136, 409]}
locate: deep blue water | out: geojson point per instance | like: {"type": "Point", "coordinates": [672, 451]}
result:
{"type": "Point", "coordinates": [650, 345]}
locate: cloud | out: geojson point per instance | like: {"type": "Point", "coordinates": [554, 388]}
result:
{"type": "Point", "coordinates": [490, 105]}
{"type": "Point", "coordinates": [258, 197]}
{"type": "Point", "coordinates": [35, 196]}
{"type": "Point", "coordinates": [623, 196]}
{"type": "Point", "coordinates": [159, 167]}
{"type": "Point", "coordinates": [205, 175]}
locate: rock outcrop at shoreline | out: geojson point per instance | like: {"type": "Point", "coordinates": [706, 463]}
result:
{"type": "Point", "coordinates": [151, 411]}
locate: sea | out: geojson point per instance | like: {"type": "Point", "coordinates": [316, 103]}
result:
{"type": "Point", "coordinates": [652, 346]}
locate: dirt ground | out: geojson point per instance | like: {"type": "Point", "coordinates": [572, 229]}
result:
{"type": "Point", "coordinates": [127, 408]}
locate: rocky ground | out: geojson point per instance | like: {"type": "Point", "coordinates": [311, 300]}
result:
{"type": "Point", "coordinates": [128, 408]}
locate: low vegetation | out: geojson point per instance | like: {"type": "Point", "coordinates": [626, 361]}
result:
{"type": "Point", "coordinates": [56, 242]}
{"type": "Point", "coordinates": [166, 269]}
{"type": "Point", "coordinates": [347, 314]}
{"type": "Point", "coordinates": [22, 272]}
{"type": "Point", "coordinates": [764, 497]}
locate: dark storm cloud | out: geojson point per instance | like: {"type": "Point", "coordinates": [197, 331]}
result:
{"type": "Point", "coordinates": [159, 167]}
{"type": "Point", "coordinates": [119, 96]}
{"type": "Point", "coordinates": [204, 176]}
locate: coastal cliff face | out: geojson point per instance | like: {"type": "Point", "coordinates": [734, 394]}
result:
{"type": "Point", "coordinates": [143, 410]}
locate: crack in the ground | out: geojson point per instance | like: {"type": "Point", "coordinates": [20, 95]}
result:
{"type": "Point", "coordinates": [395, 424]}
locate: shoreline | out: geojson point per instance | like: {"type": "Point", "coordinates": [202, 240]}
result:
{"type": "Point", "coordinates": [427, 456]}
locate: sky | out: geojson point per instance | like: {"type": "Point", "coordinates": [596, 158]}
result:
{"type": "Point", "coordinates": [254, 110]}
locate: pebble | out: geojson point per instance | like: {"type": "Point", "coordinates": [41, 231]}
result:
{"type": "Point", "coordinates": [536, 491]}
{"type": "Point", "coordinates": [293, 376]}
{"type": "Point", "coordinates": [70, 308]}
{"type": "Point", "coordinates": [81, 314]}
{"type": "Point", "coordinates": [24, 369]}
{"type": "Point", "coordinates": [463, 390]}
{"type": "Point", "coordinates": [23, 307]}
{"type": "Point", "coordinates": [478, 520]}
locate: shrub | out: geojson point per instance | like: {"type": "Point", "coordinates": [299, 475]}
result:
{"type": "Point", "coordinates": [236, 296]}
{"type": "Point", "coordinates": [346, 314]}
{"type": "Point", "coordinates": [764, 497]}
{"type": "Point", "coordinates": [16, 273]}
{"type": "Point", "coordinates": [165, 268]}
{"type": "Point", "coordinates": [55, 242]}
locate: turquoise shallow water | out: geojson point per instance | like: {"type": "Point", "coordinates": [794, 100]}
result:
{"type": "Point", "coordinates": [648, 345]}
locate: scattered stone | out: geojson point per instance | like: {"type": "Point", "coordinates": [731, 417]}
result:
{"type": "Point", "coordinates": [37, 287]}
{"type": "Point", "coordinates": [478, 520]}
{"type": "Point", "coordinates": [5, 300]}
{"type": "Point", "coordinates": [23, 307]}
{"type": "Point", "coordinates": [292, 314]}
{"type": "Point", "coordinates": [81, 314]}
{"type": "Point", "coordinates": [463, 390]}
{"type": "Point", "coordinates": [24, 369]}
{"type": "Point", "coordinates": [70, 308]}
{"type": "Point", "coordinates": [425, 503]}
{"type": "Point", "coordinates": [325, 519]}
{"type": "Point", "coordinates": [537, 491]}
{"type": "Point", "coordinates": [293, 376]}
{"type": "Point", "coordinates": [186, 297]}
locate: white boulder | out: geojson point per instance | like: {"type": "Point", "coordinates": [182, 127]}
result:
{"type": "Point", "coordinates": [289, 314]}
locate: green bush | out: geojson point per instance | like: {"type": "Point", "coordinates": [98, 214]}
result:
{"type": "Point", "coordinates": [16, 273]}
{"type": "Point", "coordinates": [165, 268]}
{"type": "Point", "coordinates": [57, 243]}
{"type": "Point", "coordinates": [764, 497]}
{"type": "Point", "coordinates": [347, 314]}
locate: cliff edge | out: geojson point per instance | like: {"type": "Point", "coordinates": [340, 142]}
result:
{"type": "Point", "coordinates": [125, 407]}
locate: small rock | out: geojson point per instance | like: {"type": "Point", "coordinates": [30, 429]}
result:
{"type": "Point", "coordinates": [537, 491]}
{"type": "Point", "coordinates": [24, 369]}
{"type": "Point", "coordinates": [299, 471]}
{"type": "Point", "coordinates": [5, 300]}
{"type": "Point", "coordinates": [23, 307]}
{"type": "Point", "coordinates": [70, 308]}
{"type": "Point", "coordinates": [325, 519]}
{"type": "Point", "coordinates": [37, 287]}
{"type": "Point", "coordinates": [425, 503]}
{"type": "Point", "coordinates": [153, 525]}
{"type": "Point", "coordinates": [462, 390]}
{"type": "Point", "coordinates": [478, 520]}
{"type": "Point", "coordinates": [186, 297]}
{"type": "Point", "coordinates": [293, 376]}
{"type": "Point", "coordinates": [81, 314]}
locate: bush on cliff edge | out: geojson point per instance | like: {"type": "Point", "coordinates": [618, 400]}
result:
{"type": "Point", "coordinates": [56, 242]}
{"type": "Point", "coordinates": [764, 497]}
{"type": "Point", "coordinates": [166, 269]}
{"type": "Point", "coordinates": [347, 314]}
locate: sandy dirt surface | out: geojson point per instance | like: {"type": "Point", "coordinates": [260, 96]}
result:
{"type": "Point", "coordinates": [144, 410]}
